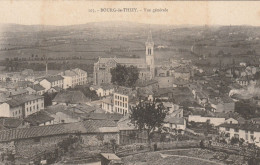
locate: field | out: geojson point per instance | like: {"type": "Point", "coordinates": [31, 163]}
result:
{"type": "Point", "coordinates": [125, 39]}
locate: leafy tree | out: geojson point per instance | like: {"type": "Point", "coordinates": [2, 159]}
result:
{"type": "Point", "coordinates": [234, 140]}
{"type": "Point", "coordinates": [124, 76]}
{"type": "Point", "coordinates": [149, 117]}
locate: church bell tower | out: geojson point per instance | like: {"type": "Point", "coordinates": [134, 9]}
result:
{"type": "Point", "coordinates": [150, 54]}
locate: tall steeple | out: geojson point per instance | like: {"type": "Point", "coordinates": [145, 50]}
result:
{"type": "Point", "coordinates": [150, 38]}
{"type": "Point", "coordinates": [149, 53]}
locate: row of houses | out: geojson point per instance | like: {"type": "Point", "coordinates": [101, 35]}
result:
{"type": "Point", "coordinates": [63, 80]}
{"type": "Point", "coordinates": [249, 132]}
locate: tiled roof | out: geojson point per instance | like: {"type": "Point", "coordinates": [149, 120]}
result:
{"type": "Point", "coordinates": [123, 60]}
{"type": "Point", "coordinates": [163, 91]}
{"type": "Point", "coordinates": [108, 100]}
{"type": "Point", "coordinates": [54, 78]}
{"type": "Point", "coordinates": [90, 126]}
{"type": "Point", "coordinates": [103, 116]}
{"type": "Point", "coordinates": [10, 122]}
{"type": "Point", "coordinates": [73, 72]}
{"type": "Point", "coordinates": [106, 86]}
{"type": "Point", "coordinates": [22, 99]}
{"type": "Point", "coordinates": [3, 99]}
{"type": "Point", "coordinates": [38, 118]}
{"type": "Point", "coordinates": [72, 97]}
{"type": "Point", "coordinates": [24, 83]}
{"type": "Point", "coordinates": [18, 91]}
{"type": "Point", "coordinates": [37, 87]}
{"type": "Point", "coordinates": [69, 73]}
{"type": "Point", "coordinates": [125, 123]}
{"type": "Point", "coordinates": [174, 120]}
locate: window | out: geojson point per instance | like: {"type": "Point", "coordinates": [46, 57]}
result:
{"type": "Point", "coordinates": [251, 132]}
{"type": "Point", "coordinates": [236, 129]}
{"type": "Point", "coordinates": [227, 129]}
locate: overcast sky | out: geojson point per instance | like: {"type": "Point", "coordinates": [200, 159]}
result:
{"type": "Point", "coordinates": [68, 12]}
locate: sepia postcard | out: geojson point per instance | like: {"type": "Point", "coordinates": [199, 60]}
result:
{"type": "Point", "coordinates": [129, 82]}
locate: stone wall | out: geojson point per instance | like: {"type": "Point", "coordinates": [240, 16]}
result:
{"type": "Point", "coordinates": [32, 146]}
{"type": "Point", "coordinates": [99, 139]}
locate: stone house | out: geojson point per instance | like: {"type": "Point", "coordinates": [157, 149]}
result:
{"type": "Point", "coordinates": [26, 142]}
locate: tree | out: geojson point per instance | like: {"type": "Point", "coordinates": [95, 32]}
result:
{"type": "Point", "coordinates": [114, 145]}
{"type": "Point", "coordinates": [234, 140]}
{"type": "Point", "coordinates": [124, 76]}
{"type": "Point", "coordinates": [149, 117]}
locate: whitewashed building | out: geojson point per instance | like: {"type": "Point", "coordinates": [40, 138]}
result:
{"type": "Point", "coordinates": [74, 77]}
{"type": "Point", "coordinates": [23, 106]}
{"type": "Point", "coordinates": [52, 81]}
{"type": "Point", "coordinates": [249, 132]}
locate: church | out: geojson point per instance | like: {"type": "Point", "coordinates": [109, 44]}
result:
{"type": "Point", "coordinates": [146, 66]}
